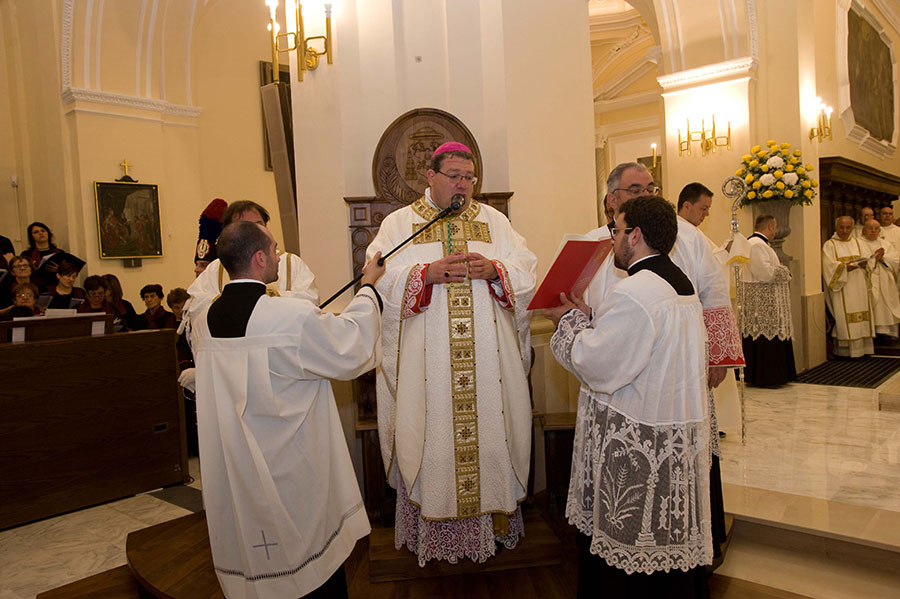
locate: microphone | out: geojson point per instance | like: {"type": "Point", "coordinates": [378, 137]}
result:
{"type": "Point", "coordinates": [456, 203]}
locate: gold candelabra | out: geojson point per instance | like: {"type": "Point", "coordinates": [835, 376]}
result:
{"type": "Point", "coordinates": [307, 55]}
{"type": "Point", "coordinates": [708, 138]}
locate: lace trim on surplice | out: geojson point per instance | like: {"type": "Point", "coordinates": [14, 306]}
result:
{"type": "Point", "coordinates": [766, 307]}
{"type": "Point", "coordinates": [641, 492]}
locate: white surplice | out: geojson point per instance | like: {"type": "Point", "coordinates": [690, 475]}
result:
{"type": "Point", "coordinates": [282, 501]}
{"type": "Point", "coordinates": [891, 233]}
{"type": "Point", "coordinates": [765, 294]}
{"type": "Point", "coordinates": [883, 285]}
{"type": "Point", "coordinates": [847, 297]}
{"type": "Point", "coordinates": [640, 466]}
{"type": "Point", "coordinates": [454, 409]}
{"type": "Point", "coordinates": [295, 279]}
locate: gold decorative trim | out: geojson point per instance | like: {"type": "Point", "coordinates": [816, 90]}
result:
{"type": "Point", "coordinates": [854, 317]}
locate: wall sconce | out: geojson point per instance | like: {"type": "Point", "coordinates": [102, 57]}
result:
{"type": "Point", "coordinates": [708, 139]}
{"type": "Point", "coordinates": [653, 149]}
{"type": "Point", "coordinates": [307, 56]}
{"type": "Point", "coordinates": [823, 122]}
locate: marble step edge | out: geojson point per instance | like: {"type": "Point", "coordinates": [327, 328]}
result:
{"type": "Point", "coordinates": [862, 525]}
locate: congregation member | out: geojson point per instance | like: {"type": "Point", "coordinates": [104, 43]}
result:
{"type": "Point", "coordinates": [156, 316]}
{"type": "Point", "coordinates": [642, 428]}
{"type": "Point", "coordinates": [124, 313]}
{"type": "Point", "coordinates": [865, 215]}
{"type": "Point", "coordinates": [65, 295]}
{"type": "Point", "coordinates": [882, 267]}
{"type": "Point", "coordinates": [40, 248]}
{"type": "Point", "coordinates": [847, 293]}
{"type": "Point", "coordinates": [20, 272]}
{"type": "Point", "coordinates": [767, 328]}
{"type": "Point", "coordinates": [95, 290]}
{"type": "Point", "coordinates": [24, 302]}
{"type": "Point", "coordinates": [889, 230]}
{"type": "Point", "coordinates": [282, 502]}
{"type": "Point", "coordinates": [692, 254]}
{"type": "Point", "coordinates": [7, 252]}
{"type": "Point", "coordinates": [457, 445]}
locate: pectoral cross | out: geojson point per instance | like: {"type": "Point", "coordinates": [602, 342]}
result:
{"type": "Point", "coordinates": [125, 164]}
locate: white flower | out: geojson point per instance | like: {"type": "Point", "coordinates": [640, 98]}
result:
{"type": "Point", "coordinates": [767, 179]}
{"type": "Point", "coordinates": [775, 162]}
{"type": "Point", "coordinates": [790, 178]}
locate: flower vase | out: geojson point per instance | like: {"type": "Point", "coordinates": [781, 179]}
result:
{"type": "Point", "coordinates": [781, 210]}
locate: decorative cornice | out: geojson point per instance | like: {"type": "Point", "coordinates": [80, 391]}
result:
{"type": "Point", "coordinates": [890, 13]}
{"type": "Point", "coordinates": [613, 22]}
{"type": "Point", "coordinates": [100, 97]}
{"type": "Point", "coordinates": [617, 53]}
{"type": "Point", "coordinates": [729, 69]}
{"type": "Point", "coordinates": [602, 133]}
{"type": "Point", "coordinates": [68, 11]}
{"type": "Point", "coordinates": [619, 83]}
{"type": "Point", "coordinates": [648, 97]}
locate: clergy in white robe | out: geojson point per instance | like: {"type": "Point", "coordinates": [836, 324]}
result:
{"type": "Point", "coordinates": [889, 231]}
{"type": "Point", "coordinates": [847, 293]}
{"type": "Point", "coordinates": [454, 408]}
{"type": "Point", "coordinates": [865, 215]}
{"type": "Point", "coordinates": [693, 256]}
{"type": "Point", "coordinates": [282, 501]}
{"type": "Point", "coordinates": [882, 269]}
{"type": "Point", "coordinates": [767, 327]}
{"type": "Point", "coordinates": [640, 468]}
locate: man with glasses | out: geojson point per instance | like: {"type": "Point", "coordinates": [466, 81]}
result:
{"type": "Point", "coordinates": [454, 410]}
{"type": "Point", "coordinates": [692, 255]}
{"type": "Point", "coordinates": [639, 493]}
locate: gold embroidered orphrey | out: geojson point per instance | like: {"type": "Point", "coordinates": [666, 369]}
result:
{"type": "Point", "coordinates": [463, 228]}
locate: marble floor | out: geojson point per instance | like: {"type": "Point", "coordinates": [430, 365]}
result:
{"type": "Point", "coordinates": [805, 443]}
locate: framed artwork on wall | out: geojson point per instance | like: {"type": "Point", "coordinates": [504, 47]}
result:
{"type": "Point", "coordinates": [128, 223]}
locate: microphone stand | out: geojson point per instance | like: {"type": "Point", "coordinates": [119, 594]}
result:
{"type": "Point", "coordinates": [442, 214]}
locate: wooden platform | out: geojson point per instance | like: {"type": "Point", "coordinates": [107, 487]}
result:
{"type": "Point", "coordinates": [539, 547]}
{"type": "Point", "coordinates": [117, 583]}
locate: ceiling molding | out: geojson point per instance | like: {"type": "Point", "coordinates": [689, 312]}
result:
{"type": "Point", "coordinates": [74, 94]}
{"type": "Point", "coordinates": [620, 83]}
{"type": "Point", "coordinates": [614, 22]}
{"type": "Point", "coordinates": [618, 53]}
{"type": "Point", "coordinates": [639, 99]}
{"type": "Point", "coordinates": [720, 71]}
{"type": "Point", "coordinates": [890, 13]}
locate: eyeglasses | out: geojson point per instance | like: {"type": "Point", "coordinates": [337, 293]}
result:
{"type": "Point", "coordinates": [22, 265]}
{"type": "Point", "coordinates": [636, 190]}
{"type": "Point", "coordinates": [25, 295]}
{"type": "Point", "coordinates": [626, 230]}
{"type": "Point", "coordinates": [471, 179]}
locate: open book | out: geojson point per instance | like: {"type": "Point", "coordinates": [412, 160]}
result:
{"type": "Point", "coordinates": [577, 261]}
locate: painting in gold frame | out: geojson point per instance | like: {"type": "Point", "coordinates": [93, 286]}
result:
{"type": "Point", "coordinates": [128, 223]}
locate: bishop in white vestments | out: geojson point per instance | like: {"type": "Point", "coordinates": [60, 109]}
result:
{"type": "Point", "coordinates": [882, 269]}
{"type": "Point", "coordinates": [282, 502]}
{"type": "Point", "coordinates": [454, 408]}
{"type": "Point", "coordinates": [639, 494]}
{"type": "Point", "coordinates": [847, 292]}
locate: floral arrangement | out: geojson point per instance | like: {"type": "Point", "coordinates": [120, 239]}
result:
{"type": "Point", "coordinates": [777, 173]}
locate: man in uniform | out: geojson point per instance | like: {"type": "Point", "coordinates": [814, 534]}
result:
{"type": "Point", "coordinates": [454, 409]}
{"type": "Point", "coordinates": [282, 502]}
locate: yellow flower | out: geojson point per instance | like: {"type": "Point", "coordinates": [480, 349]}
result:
{"type": "Point", "coordinates": [806, 183]}
{"type": "Point", "coordinates": [768, 194]}
{"type": "Point", "coordinates": [797, 153]}
{"type": "Point", "coordinates": [739, 172]}
{"type": "Point", "coordinates": [788, 193]}
{"type": "Point", "coordinates": [771, 142]}
{"type": "Point", "coordinates": [757, 185]}
{"type": "Point", "coordinates": [789, 167]}
{"type": "Point", "coordinates": [785, 146]}
{"type": "Point", "coordinates": [762, 153]}
{"type": "Point", "coordinates": [751, 195]}
{"type": "Point", "coordinates": [795, 160]}
{"type": "Point", "coordinates": [779, 185]}
{"type": "Point", "coordinates": [754, 149]}
{"type": "Point", "coordinates": [814, 182]}
{"type": "Point", "coordinates": [785, 152]}
{"type": "Point", "coordinates": [749, 178]}
{"type": "Point", "coordinates": [764, 168]}
{"type": "Point", "coordinates": [778, 174]}
{"type": "Point", "coordinates": [801, 170]}
{"type": "Point", "coordinates": [808, 193]}
{"type": "Point", "coordinates": [754, 163]}
{"type": "Point", "coordinates": [809, 168]}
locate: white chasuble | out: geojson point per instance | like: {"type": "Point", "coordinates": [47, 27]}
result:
{"type": "Point", "coordinates": [282, 501]}
{"type": "Point", "coordinates": [847, 296]}
{"type": "Point", "coordinates": [454, 408]}
{"type": "Point", "coordinates": [640, 466]}
{"type": "Point", "coordinates": [295, 279]}
{"type": "Point", "coordinates": [883, 284]}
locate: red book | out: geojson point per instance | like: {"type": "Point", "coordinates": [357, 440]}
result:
{"type": "Point", "coordinates": [575, 265]}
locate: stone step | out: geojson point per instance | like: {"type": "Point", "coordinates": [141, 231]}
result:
{"type": "Point", "coordinates": [117, 583]}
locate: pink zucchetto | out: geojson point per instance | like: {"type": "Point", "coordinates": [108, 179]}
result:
{"type": "Point", "coordinates": [451, 146]}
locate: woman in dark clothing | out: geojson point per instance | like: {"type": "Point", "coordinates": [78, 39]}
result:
{"type": "Point", "coordinates": [126, 317]}
{"type": "Point", "coordinates": [64, 294]}
{"type": "Point", "coordinates": [19, 272]}
{"type": "Point", "coordinates": [40, 247]}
